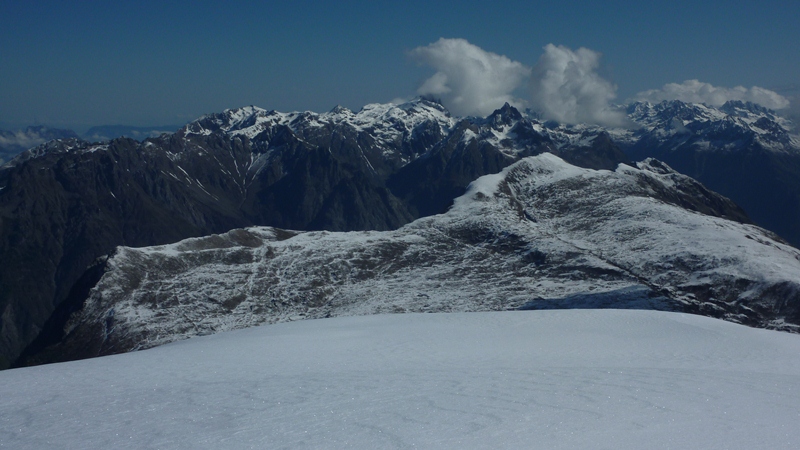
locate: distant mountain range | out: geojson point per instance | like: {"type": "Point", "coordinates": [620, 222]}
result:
{"type": "Point", "coordinates": [108, 132]}
{"type": "Point", "coordinates": [15, 142]}
{"type": "Point", "coordinates": [65, 203]}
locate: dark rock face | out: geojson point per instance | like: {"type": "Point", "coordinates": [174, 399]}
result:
{"type": "Point", "coordinates": [429, 184]}
{"type": "Point", "coordinates": [602, 153]}
{"type": "Point", "coordinates": [60, 213]}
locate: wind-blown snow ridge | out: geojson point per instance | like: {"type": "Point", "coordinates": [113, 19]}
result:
{"type": "Point", "coordinates": [541, 234]}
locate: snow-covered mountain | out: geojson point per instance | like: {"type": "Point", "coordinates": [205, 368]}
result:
{"type": "Point", "coordinates": [533, 379]}
{"type": "Point", "coordinates": [731, 127]}
{"type": "Point", "coordinates": [67, 202]}
{"type": "Point", "coordinates": [542, 234]}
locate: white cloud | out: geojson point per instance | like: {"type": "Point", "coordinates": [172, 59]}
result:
{"type": "Point", "coordinates": [21, 139]}
{"type": "Point", "coordinates": [564, 84]}
{"type": "Point", "coordinates": [566, 87]}
{"type": "Point", "coordinates": [470, 80]}
{"type": "Point", "coordinates": [695, 91]}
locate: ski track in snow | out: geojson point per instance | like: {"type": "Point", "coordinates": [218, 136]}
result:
{"type": "Point", "coordinates": [543, 379]}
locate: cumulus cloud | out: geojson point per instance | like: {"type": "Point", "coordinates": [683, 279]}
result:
{"type": "Point", "coordinates": [695, 91]}
{"type": "Point", "coordinates": [566, 87]}
{"type": "Point", "coordinates": [470, 80]}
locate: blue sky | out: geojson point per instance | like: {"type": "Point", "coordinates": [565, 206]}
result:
{"type": "Point", "coordinates": [78, 64]}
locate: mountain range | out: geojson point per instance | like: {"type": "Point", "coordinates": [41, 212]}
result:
{"type": "Point", "coordinates": [67, 202]}
{"type": "Point", "coordinates": [109, 132]}
{"type": "Point", "coordinates": [15, 142]}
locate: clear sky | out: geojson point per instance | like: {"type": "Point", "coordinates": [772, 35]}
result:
{"type": "Point", "coordinates": [78, 64]}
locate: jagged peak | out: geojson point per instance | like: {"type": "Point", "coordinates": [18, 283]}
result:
{"type": "Point", "coordinates": [506, 115]}
{"type": "Point", "coordinates": [339, 109]}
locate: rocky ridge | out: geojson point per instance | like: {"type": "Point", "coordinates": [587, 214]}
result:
{"type": "Point", "coordinates": [541, 234]}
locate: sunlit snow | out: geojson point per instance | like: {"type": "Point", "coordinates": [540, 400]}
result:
{"type": "Point", "coordinates": [539, 379]}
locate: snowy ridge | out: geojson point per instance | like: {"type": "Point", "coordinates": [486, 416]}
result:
{"type": "Point", "coordinates": [541, 234]}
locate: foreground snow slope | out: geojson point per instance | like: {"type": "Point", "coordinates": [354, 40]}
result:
{"type": "Point", "coordinates": [534, 379]}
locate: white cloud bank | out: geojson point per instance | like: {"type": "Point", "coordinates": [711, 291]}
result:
{"type": "Point", "coordinates": [695, 91]}
{"type": "Point", "coordinates": [21, 139]}
{"type": "Point", "coordinates": [469, 80]}
{"type": "Point", "coordinates": [566, 87]}
{"type": "Point", "coordinates": [564, 84]}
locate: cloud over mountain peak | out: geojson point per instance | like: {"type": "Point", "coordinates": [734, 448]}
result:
{"type": "Point", "coordinates": [696, 91]}
{"type": "Point", "coordinates": [469, 80]}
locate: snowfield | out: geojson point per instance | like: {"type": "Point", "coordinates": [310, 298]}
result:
{"type": "Point", "coordinates": [526, 379]}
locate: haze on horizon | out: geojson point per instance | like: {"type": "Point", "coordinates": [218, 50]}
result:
{"type": "Point", "coordinates": [146, 63]}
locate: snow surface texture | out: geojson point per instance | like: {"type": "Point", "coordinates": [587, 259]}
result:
{"type": "Point", "coordinates": [540, 379]}
{"type": "Point", "coordinates": [542, 234]}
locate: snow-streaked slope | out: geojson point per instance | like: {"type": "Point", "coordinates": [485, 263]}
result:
{"type": "Point", "coordinates": [541, 379]}
{"type": "Point", "coordinates": [541, 234]}
{"type": "Point", "coordinates": [388, 121]}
